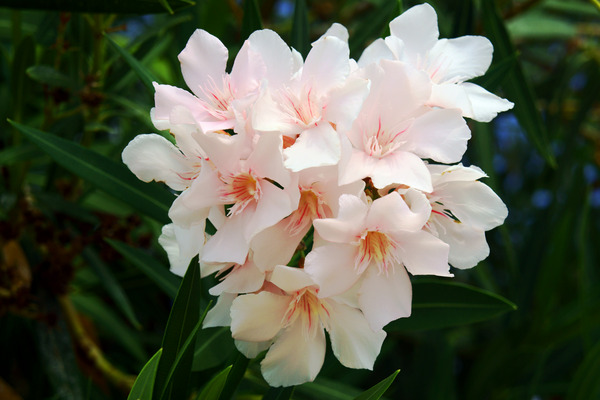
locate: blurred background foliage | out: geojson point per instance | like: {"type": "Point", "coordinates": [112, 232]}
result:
{"type": "Point", "coordinates": [85, 292]}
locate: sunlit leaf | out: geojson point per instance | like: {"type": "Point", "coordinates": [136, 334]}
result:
{"type": "Point", "coordinates": [112, 177]}
{"type": "Point", "coordinates": [144, 384]}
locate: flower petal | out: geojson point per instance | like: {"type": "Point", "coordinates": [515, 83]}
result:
{"type": "Point", "coordinates": [219, 315]}
{"type": "Point", "coordinates": [327, 64]}
{"type": "Point", "coordinates": [152, 157]}
{"type": "Point", "coordinates": [417, 27]}
{"type": "Point", "coordinates": [439, 134]}
{"type": "Point", "coordinates": [203, 62]}
{"type": "Point", "coordinates": [251, 349]}
{"type": "Point", "coordinates": [460, 59]}
{"type": "Point", "coordinates": [474, 101]}
{"type": "Point", "coordinates": [385, 297]}
{"type": "Point", "coordinates": [291, 279]}
{"type": "Point", "coordinates": [293, 359]}
{"type": "Point", "coordinates": [332, 268]}
{"type": "Point", "coordinates": [353, 342]}
{"type": "Point", "coordinates": [315, 147]}
{"type": "Point", "coordinates": [257, 317]}
{"type": "Point", "coordinates": [424, 254]}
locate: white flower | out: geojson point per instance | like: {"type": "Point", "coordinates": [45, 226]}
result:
{"type": "Point", "coordinates": [375, 243]}
{"type": "Point", "coordinates": [294, 320]}
{"type": "Point", "coordinates": [447, 62]}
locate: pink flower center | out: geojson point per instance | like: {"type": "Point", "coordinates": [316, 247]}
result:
{"type": "Point", "coordinates": [303, 110]}
{"type": "Point", "coordinates": [217, 99]}
{"type": "Point", "coordinates": [377, 247]}
{"type": "Point", "coordinates": [310, 207]}
{"type": "Point", "coordinates": [312, 311]}
{"type": "Point", "coordinates": [240, 190]}
{"type": "Point", "coordinates": [383, 141]}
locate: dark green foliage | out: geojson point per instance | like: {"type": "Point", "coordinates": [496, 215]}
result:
{"type": "Point", "coordinates": [76, 84]}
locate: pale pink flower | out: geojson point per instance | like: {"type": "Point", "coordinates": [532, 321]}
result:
{"type": "Point", "coordinates": [212, 105]}
{"type": "Point", "coordinates": [306, 105]}
{"type": "Point", "coordinates": [462, 210]}
{"type": "Point", "coordinates": [375, 243]}
{"type": "Point", "coordinates": [395, 130]}
{"type": "Point", "coordinates": [449, 63]}
{"type": "Point", "coordinates": [294, 319]}
{"type": "Point", "coordinates": [256, 189]}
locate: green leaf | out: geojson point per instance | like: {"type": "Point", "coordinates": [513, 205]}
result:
{"type": "Point", "coordinates": [323, 388]}
{"type": "Point", "coordinates": [585, 383]}
{"type": "Point", "coordinates": [213, 346]}
{"type": "Point", "coordinates": [142, 72]}
{"type": "Point", "coordinates": [252, 20]}
{"type": "Point", "coordinates": [372, 26]}
{"type": "Point", "coordinates": [16, 154]}
{"type": "Point", "coordinates": [235, 377]}
{"type": "Point", "coordinates": [516, 85]}
{"type": "Point", "coordinates": [144, 384]}
{"type": "Point", "coordinates": [110, 324]}
{"type": "Point", "coordinates": [178, 368]}
{"type": "Point", "coordinates": [184, 316]}
{"type": "Point", "coordinates": [49, 76]}
{"type": "Point", "coordinates": [495, 76]}
{"type": "Point", "coordinates": [111, 285]}
{"type": "Point", "coordinates": [19, 83]}
{"type": "Point", "coordinates": [300, 39]}
{"type": "Point", "coordinates": [215, 386]}
{"type": "Point", "coordinates": [439, 304]}
{"type": "Point", "coordinates": [157, 272]}
{"type": "Point", "coordinates": [280, 393]}
{"type": "Point", "coordinates": [104, 6]}
{"type": "Point", "coordinates": [537, 25]}
{"type": "Point", "coordinates": [378, 390]}
{"type": "Point", "coordinates": [104, 173]}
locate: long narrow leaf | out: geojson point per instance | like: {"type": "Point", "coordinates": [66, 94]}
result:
{"type": "Point", "coordinates": [378, 390]}
{"type": "Point", "coordinates": [185, 352]}
{"type": "Point", "coordinates": [235, 377]}
{"type": "Point", "coordinates": [439, 304]}
{"type": "Point", "coordinates": [215, 386]}
{"type": "Point", "coordinates": [184, 316]}
{"type": "Point", "coordinates": [104, 6]}
{"type": "Point", "coordinates": [300, 37]}
{"type": "Point", "coordinates": [111, 285]}
{"type": "Point", "coordinates": [144, 384]}
{"type": "Point", "coordinates": [252, 20]}
{"type": "Point", "coordinates": [104, 173]}
{"type": "Point", "coordinates": [142, 72]}
{"type": "Point", "coordinates": [516, 84]}
{"type": "Point", "coordinates": [149, 266]}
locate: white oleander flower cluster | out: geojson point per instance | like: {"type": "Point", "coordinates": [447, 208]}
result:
{"type": "Point", "coordinates": [328, 181]}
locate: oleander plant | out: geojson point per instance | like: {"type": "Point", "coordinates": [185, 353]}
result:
{"type": "Point", "coordinates": [299, 199]}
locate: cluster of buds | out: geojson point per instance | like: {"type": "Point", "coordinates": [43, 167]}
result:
{"type": "Point", "coordinates": [328, 181]}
